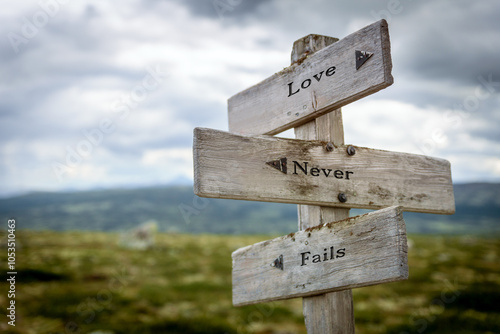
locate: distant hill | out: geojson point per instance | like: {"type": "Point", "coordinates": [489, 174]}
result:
{"type": "Point", "coordinates": [177, 209]}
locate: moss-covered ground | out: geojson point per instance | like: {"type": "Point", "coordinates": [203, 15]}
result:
{"type": "Point", "coordinates": [85, 282]}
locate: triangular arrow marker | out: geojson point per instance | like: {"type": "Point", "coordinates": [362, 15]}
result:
{"type": "Point", "coordinates": [279, 164]}
{"type": "Point", "coordinates": [362, 57]}
{"type": "Point", "coordinates": [278, 263]}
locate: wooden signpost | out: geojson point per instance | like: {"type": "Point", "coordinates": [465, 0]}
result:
{"type": "Point", "coordinates": [331, 253]}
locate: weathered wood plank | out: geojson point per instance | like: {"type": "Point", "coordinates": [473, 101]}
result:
{"type": "Point", "coordinates": [322, 82]}
{"type": "Point", "coordinates": [240, 167]}
{"type": "Point", "coordinates": [359, 251]}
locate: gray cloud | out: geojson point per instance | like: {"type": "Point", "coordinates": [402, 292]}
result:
{"type": "Point", "coordinates": [455, 42]}
{"type": "Point", "coordinates": [65, 78]}
{"type": "Point", "coordinates": [221, 9]}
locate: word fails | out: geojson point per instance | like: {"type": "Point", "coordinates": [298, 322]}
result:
{"type": "Point", "coordinates": [307, 82]}
{"type": "Point", "coordinates": [330, 254]}
{"type": "Point", "coordinates": [307, 258]}
{"type": "Point", "coordinates": [303, 168]}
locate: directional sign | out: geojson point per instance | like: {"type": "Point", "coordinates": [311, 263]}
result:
{"type": "Point", "coordinates": [359, 251]}
{"type": "Point", "coordinates": [264, 168]}
{"type": "Point", "coordinates": [345, 71]}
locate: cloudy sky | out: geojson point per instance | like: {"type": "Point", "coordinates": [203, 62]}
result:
{"type": "Point", "coordinates": [101, 94]}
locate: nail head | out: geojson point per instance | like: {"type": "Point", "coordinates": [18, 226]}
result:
{"type": "Point", "coordinates": [351, 150]}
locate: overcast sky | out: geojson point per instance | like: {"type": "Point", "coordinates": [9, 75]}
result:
{"type": "Point", "coordinates": [100, 94]}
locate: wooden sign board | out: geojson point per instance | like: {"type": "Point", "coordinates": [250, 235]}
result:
{"type": "Point", "coordinates": [345, 71]}
{"type": "Point", "coordinates": [264, 168]}
{"type": "Point", "coordinates": [355, 252]}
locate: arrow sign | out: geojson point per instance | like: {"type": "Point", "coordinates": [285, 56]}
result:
{"type": "Point", "coordinates": [361, 58]}
{"type": "Point", "coordinates": [345, 71]}
{"type": "Point", "coordinates": [279, 164]}
{"type": "Point", "coordinates": [359, 251]}
{"type": "Point", "coordinates": [271, 169]}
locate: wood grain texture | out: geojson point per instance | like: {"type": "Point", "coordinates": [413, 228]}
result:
{"type": "Point", "coordinates": [233, 166]}
{"type": "Point", "coordinates": [329, 313]}
{"type": "Point", "coordinates": [359, 251]}
{"type": "Point", "coordinates": [270, 108]}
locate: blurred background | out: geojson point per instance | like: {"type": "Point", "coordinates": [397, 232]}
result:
{"type": "Point", "coordinates": [98, 101]}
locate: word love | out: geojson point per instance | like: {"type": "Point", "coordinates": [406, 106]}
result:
{"type": "Point", "coordinates": [306, 83]}
{"type": "Point", "coordinates": [327, 255]}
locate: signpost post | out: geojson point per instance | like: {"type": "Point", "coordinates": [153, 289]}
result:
{"type": "Point", "coordinates": [331, 253]}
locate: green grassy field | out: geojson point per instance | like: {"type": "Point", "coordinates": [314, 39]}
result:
{"type": "Point", "coordinates": [84, 282]}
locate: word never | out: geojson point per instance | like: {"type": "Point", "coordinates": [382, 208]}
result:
{"type": "Point", "coordinates": [317, 171]}
{"type": "Point", "coordinates": [316, 258]}
{"type": "Point", "coordinates": [306, 83]}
